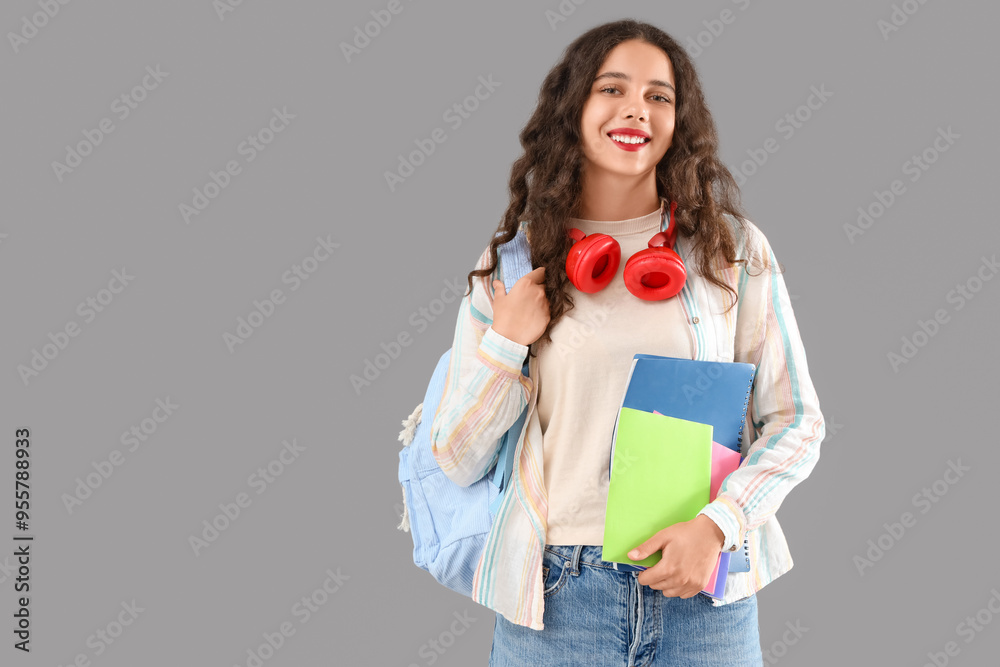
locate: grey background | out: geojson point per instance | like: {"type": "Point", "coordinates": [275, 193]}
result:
{"type": "Point", "coordinates": [336, 506]}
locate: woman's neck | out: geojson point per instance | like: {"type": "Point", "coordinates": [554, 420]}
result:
{"type": "Point", "coordinates": [610, 200]}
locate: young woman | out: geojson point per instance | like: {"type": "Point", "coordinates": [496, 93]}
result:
{"type": "Point", "coordinates": [623, 144]}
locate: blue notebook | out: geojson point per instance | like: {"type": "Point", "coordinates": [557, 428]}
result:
{"type": "Point", "coordinates": [710, 392]}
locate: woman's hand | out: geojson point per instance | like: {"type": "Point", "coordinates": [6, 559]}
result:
{"type": "Point", "coordinates": [690, 552]}
{"type": "Point", "coordinates": [523, 314]}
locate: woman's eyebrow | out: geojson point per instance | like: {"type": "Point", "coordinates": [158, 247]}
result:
{"type": "Point", "coordinates": [626, 77]}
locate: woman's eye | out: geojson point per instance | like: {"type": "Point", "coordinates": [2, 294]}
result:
{"type": "Point", "coordinates": [615, 90]}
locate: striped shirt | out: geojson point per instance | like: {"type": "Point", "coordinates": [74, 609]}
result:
{"type": "Point", "coordinates": [485, 392]}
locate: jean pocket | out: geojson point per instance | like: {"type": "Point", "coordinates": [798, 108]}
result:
{"type": "Point", "coordinates": [708, 600]}
{"type": "Point", "coordinates": [554, 574]}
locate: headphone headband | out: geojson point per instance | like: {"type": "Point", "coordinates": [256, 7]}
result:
{"type": "Point", "coordinates": [668, 221]}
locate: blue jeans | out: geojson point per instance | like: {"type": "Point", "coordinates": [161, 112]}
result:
{"type": "Point", "coordinates": [599, 616]}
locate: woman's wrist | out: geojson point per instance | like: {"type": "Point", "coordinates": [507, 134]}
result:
{"type": "Point", "coordinates": [506, 334]}
{"type": "Point", "coordinates": [714, 527]}
{"type": "Point", "coordinates": [510, 339]}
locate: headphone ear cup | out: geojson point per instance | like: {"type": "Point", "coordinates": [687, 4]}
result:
{"type": "Point", "coordinates": [655, 274]}
{"type": "Point", "coordinates": [592, 261]}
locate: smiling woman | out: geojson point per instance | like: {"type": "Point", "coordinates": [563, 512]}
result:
{"type": "Point", "coordinates": [621, 166]}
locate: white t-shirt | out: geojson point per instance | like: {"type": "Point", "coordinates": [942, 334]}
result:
{"type": "Point", "coordinates": [582, 377]}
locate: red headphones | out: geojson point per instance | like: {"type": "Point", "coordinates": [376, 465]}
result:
{"type": "Point", "coordinates": [652, 274]}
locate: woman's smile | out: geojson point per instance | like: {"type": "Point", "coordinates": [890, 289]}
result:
{"type": "Point", "coordinates": [629, 140]}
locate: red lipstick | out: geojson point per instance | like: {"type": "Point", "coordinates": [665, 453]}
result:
{"type": "Point", "coordinates": [629, 132]}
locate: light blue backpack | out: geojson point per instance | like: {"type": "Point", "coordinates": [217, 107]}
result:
{"type": "Point", "coordinates": [450, 523]}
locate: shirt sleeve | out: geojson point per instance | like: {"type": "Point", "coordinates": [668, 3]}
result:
{"type": "Point", "coordinates": [485, 391]}
{"type": "Point", "coordinates": [784, 412]}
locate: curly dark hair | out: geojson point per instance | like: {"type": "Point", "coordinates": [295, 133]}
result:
{"type": "Point", "coordinates": [690, 171]}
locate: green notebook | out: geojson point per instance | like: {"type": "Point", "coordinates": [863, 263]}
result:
{"type": "Point", "coordinates": [660, 475]}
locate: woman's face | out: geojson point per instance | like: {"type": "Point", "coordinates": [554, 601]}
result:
{"type": "Point", "coordinates": [635, 90]}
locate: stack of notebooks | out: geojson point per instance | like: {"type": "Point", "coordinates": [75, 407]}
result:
{"type": "Point", "coordinates": [676, 438]}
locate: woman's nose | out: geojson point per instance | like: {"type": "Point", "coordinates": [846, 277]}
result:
{"type": "Point", "coordinates": [633, 113]}
{"type": "Point", "coordinates": [636, 109]}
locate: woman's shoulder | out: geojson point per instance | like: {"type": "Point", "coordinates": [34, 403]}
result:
{"type": "Point", "coordinates": [750, 242]}
{"type": "Point", "coordinates": [486, 257]}
{"type": "Point", "coordinates": [745, 234]}
{"type": "Point", "coordinates": [483, 296]}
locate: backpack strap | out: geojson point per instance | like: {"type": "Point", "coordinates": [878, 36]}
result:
{"type": "Point", "coordinates": [515, 256]}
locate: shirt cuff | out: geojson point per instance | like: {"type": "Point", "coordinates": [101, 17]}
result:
{"type": "Point", "coordinates": [729, 517]}
{"type": "Point", "coordinates": [501, 353]}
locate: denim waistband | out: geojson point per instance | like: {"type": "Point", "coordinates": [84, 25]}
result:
{"type": "Point", "coordinates": [589, 554]}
